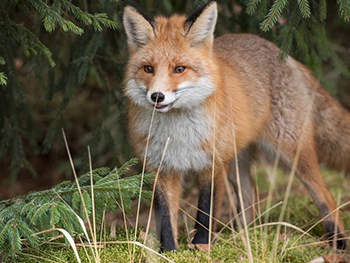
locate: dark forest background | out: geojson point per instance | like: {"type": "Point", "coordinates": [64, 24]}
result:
{"type": "Point", "coordinates": [62, 65]}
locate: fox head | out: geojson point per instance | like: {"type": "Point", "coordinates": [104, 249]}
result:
{"type": "Point", "coordinates": [171, 59]}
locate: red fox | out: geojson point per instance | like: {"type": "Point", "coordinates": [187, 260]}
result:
{"type": "Point", "coordinates": [216, 99]}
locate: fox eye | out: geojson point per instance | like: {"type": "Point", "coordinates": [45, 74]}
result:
{"type": "Point", "coordinates": [148, 69]}
{"type": "Point", "coordinates": [179, 69]}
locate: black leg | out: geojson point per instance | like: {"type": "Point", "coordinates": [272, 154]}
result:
{"type": "Point", "coordinates": [164, 227]}
{"type": "Point", "coordinates": [332, 231]}
{"type": "Point", "coordinates": [202, 223]}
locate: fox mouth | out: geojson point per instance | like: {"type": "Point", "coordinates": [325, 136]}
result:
{"type": "Point", "coordinates": [162, 108]}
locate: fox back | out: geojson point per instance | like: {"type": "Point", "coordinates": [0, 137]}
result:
{"type": "Point", "coordinates": [216, 98]}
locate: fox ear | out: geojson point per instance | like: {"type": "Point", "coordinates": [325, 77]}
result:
{"type": "Point", "coordinates": [139, 28]}
{"type": "Point", "coordinates": [201, 25]}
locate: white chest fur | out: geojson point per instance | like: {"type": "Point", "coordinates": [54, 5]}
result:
{"type": "Point", "coordinates": [187, 130]}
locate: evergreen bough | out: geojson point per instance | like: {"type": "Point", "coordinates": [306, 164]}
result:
{"type": "Point", "coordinates": [302, 22]}
{"type": "Point", "coordinates": [90, 62]}
{"type": "Point", "coordinates": [53, 14]}
{"type": "Point", "coordinates": [21, 218]}
{"type": "Point", "coordinates": [38, 34]}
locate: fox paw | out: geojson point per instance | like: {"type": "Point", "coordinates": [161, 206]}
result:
{"type": "Point", "coordinates": [201, 247]}
{"type": "Point", "coordinates": [339, 240]}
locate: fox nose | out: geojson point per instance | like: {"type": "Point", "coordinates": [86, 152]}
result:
{"type": "Point", "coordinates": [157, 97]}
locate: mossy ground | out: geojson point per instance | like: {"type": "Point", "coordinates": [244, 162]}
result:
{"type": "Point", "coordinates": [267, 244]}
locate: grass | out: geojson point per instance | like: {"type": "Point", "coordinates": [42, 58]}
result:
{"type": "Point", "coordinates": [291, 244]}
{"type": "Point", "coordinates": [286, 229]}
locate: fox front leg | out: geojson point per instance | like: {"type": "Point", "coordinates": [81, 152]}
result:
{"type": "Point", "coordinates": [166, 203]}
{"type": "Point", "coordinates": [208, 193]}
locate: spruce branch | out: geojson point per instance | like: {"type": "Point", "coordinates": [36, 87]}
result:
{"type": "Point", "coordinates": [286, 37]}
{"type": "Point", "coordinates": [304, 8]}
{"type": "Point", "coordinates": [3, 79]}
{"type": "Point", "coordinates": [53, 14]}
{"type": "Point", "coordinates": [29, 42]}
{"type": "Point", "coordinates": [2, 61]}
{"type": "Point", "coordinates": [22, 217]}
{"type": "Point", "coordinates": [323, 9]}
{"type": "Point", "coordinates": [300, 18]}
{"type": "Point", "coordinates": [273, 14]}
{"type": "Point", "coordinates": [344, 9]}
{"type": "Point", "coordinates": [57, 14]}
{"type": "Point", "coordinates": [252, 6]}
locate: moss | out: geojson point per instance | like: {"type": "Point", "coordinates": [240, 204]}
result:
{"type": "Point", "coordinates": [290, 245]}
{"type": "Point", "coordinates": [225, 250]}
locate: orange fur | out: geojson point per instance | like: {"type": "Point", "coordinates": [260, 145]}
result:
{"type": "Point", "coordinates": [216, 98]}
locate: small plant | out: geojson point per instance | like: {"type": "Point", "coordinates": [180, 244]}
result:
{"type": "Point", "coordinates": [25, 220]}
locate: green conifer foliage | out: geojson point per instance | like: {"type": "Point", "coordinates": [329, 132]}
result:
{"type": "Point", "coordinates": [300, 22]}
{"type": "Point", "coordinates": [61, 66]}
{"type": "Point", "coordinates": [21, 218]}
{"type": "Point", "coordinates": [62, 57]}
{"type": "Point", "coordinates": [46, 47]}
